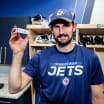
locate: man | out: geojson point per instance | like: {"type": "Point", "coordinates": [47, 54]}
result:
{"type": "Point", "coordinates": [69, 74]}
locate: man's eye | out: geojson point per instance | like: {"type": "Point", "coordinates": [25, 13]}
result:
{"type": "Point", "coordinates": [56, 26]}
{"type": "Point", "coordinates": [65, 25]}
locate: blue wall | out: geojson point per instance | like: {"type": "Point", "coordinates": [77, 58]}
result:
{"type": "Point", "coordinates": [88, 11]}
{"type": "Point", "coordinates": [80, 10]}
{"type": "Point", "coordinates": [9, 8]}
{"type": "Point", "coordinates": [33, 7]}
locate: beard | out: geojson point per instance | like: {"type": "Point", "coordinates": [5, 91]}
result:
{"type": "Point", "coordinates": [63, 43]}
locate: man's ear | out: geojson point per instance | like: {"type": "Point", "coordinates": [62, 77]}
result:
{"type": "Point", "coordinates": [75, 26]}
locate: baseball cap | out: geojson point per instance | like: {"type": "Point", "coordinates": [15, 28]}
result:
{"type": "Point", "coordinates": [61, 14]}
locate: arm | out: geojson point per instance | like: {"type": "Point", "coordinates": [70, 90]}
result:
{"type": "Point", "coordinates": [97, 94]}
{"type": "Point", "coordinates": [17, 79]}
{"type": "Point", "coordinates": [97, 81]}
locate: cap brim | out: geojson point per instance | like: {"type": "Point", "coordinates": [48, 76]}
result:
{"type": "Point", "coordinates": [60, 18]}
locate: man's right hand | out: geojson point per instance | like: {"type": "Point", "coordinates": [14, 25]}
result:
{"type": "Point", "coordinates": [17, 80]}
{"type": "Point", "coordinates": [16, 42]}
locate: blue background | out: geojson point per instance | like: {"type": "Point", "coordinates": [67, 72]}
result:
{"type": "Point", "coordinates": [10, 8]}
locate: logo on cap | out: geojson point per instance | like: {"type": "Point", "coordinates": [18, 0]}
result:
{"type": "Point", "coordinates": [60, 12]}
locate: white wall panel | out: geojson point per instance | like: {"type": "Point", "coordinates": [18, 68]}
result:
{"type": "Point", "coordinates": [97, 16]}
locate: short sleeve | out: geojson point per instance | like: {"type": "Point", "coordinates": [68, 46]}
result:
{"type": "Point", "coordinates": [97, 76]}
{"type": "Point", "coordinates": [32, 66]}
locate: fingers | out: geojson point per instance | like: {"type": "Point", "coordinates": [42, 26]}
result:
{"type": "Point", "coordinates": [27, 38]}
{"type": "Point", "coordinates": [14, 35]}
{"type": "Point", "coordinates": [13, 29]}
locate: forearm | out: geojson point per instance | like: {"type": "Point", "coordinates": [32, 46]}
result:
{"type": "Point", "coordinates": [98, 100]}
{"type": "Point", "coordinates": [15, 79]}
{"type": "Point", "coordinates": [97, 94]}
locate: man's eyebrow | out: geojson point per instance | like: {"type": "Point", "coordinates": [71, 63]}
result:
{"type": "Point", "coordinates": [56, 25]}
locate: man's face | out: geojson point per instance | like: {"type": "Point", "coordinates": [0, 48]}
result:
{"type": "Point", "coordinates": [63, 33]}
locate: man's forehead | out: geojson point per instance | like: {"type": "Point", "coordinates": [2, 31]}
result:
{"type": "Point", "coordinates": [60, 21]}
{"type": "Point", "coordinates": [63, 23]}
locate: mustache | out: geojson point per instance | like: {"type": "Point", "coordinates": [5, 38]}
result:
{"type": "Point", "coordinates": [60, 35]}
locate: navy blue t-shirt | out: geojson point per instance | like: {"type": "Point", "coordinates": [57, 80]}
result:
{"type": "Point", "coordinates": [66, 78]}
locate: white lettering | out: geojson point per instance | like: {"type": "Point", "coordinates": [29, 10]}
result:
{"type": "Point", "coordinates": [78, 70]}
{"type": "Point", "coordinates": [54, 71]}
{"type": "Point", "coordinates": [70, 70]}
{"type": "Point", "coordinates": [61, 71]}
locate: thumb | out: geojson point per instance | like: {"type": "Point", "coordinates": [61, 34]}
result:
{"type": "Point", "coordinates": [27, 38]}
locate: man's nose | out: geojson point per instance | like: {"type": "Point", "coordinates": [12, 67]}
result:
{"type": "Point", "coordinates": [61, 30]}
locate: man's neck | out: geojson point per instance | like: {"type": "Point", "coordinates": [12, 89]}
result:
{"type": "Point", "coordinates": [66, 48]}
